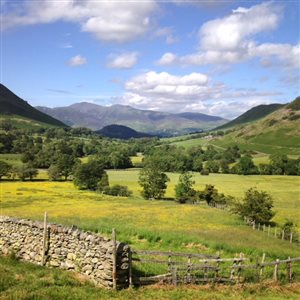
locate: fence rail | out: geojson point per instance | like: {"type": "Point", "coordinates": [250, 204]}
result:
{"type": "Point", "coordinates": [277, 232]}
{"type": "Point", "coordinates": [186, 268]}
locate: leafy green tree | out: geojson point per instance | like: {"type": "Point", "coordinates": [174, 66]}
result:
{"type": "Point", "coordinates": [246, 166]}
{"type": "Point", "coordinates": [4, 168]}
{"type": "Point", "coordinates": [212, 166]}
{"type": "Point", "coordinates": [197, 164]}
{"type": "Point", "coordinates": [208, 194]}
{"type": "Point", "coordinates": [256, 205]}
{"type": "Point", "coordinates": [184, 191]}
{"type": "Point", "coordinates": [26, 171]}
{"type": "Point", "coordinates": [54, 173]}
{"type": "Point", "coordinates": [265, 169]}
{"type": "Point", "coordinates": [153, 181]}
{"type": "Point", "coordinates": [87, 176]}
{"type": "Point", "coordinates": [65, 164]}
{"type": "Point", "coordinates": [278, 163]}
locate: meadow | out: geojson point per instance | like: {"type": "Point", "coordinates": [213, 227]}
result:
{"type": "Point", "coordinates": [164, 225]}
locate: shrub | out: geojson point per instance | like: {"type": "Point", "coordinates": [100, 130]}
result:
{"type": "Point", "coordinates": [117, 190]}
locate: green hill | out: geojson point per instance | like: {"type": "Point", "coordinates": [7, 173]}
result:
{"type": "Point", "coordinates": [11, 105]}
{"type": "Point", "coordinates": [121, 132]}
{"type": "Point", "coordinates": [253, 114]}
{"type": "Point", "coordinates": [278, 132]}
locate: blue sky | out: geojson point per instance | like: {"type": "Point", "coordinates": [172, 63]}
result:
{"type": "Point", "coordinates": [214, 57]}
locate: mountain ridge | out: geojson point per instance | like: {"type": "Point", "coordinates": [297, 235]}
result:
{"type": "Point", "coordinates": [94, 116]}
{"type": "Point", "coordinates": [11, 104]}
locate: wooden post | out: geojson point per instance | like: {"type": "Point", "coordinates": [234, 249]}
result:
{"type": "Point", "coordinates": [44, 240]}
{"type": "Point", "coordinates": [218, 267]}
{"type": "Point", "coordinates": [170, 261]}
{"type": "Point", "coordinates": [240, 269]}
{"type": "Point", "coordinates": [174, 275]}
{"type": "Point", "coordinates": [269, 228]}
{"type": "Point", "coordinates": [205, 271]}
{"type": "Point", "coordinates": [275, 276]}
{"type": "Point", "coordinates": [189, 276]}
{"type": "Point", "coordinates": [114, 258]}
{"type": "Point", "coordinates": [130, 268]}
{"type": "Point", "coordinates": [233, 270]}
{"type": "Point", "coordinates": [261, 265]}
{"type": "Point", "coordinates": [289, 270]}
{"type": "Point", "coordinates": [291, 237]}
{"type": "Point", "coordinates": [282, 235]}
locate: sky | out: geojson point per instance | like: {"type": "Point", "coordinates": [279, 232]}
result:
{"type": "Point", "coordinates": [214, 57]}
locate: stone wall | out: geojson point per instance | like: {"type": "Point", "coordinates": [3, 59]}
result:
{"type": "Point", "coordinates": [66, 248]}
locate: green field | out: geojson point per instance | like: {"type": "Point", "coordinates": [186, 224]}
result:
{"type": "Point", "coordinates": [161, 225]}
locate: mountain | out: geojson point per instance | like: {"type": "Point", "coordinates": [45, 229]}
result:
{"type": "Point", "coordinates": [278, 132]}
{"type": "Point", "coordinates": [157, 123]}
{"type": "Point", "coordinates": [11, 104]}
{"type": "Point", "coordinates": [121, 132]}
{"type": "Point", "coordinates": [252, 114]}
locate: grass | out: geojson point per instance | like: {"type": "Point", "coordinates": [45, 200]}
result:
{"type": "Point", "coordinates": [160, 225]}
{"type": "Point", "coordinates": [12, 159]}
{"type": "Point", "coordinates": [20, 281]}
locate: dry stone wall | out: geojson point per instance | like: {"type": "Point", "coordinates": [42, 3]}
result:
{"type": "Point", "coordinates": [66, 248]}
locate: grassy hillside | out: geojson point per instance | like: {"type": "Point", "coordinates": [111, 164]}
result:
{"type": "Point", "coordinates": [279, 132]}
{"type": "Point", "coordinates": [23, 123]}
{"type": "Point", "coordinates": [253, 114]}
{"type": "Point", "coordinates": [11, 104]}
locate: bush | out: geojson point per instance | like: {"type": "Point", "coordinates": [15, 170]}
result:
{"type": "Point", "coordinates": [204, 172]}
{"type": "Point", "coordinates": [117, 190]}
{"type": "Point", "coordinates": [256, 205]}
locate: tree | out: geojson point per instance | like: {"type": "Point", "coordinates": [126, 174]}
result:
{"type": "Point", "coordinates": [153, 181]}
{"type": "Point", "coordinates": [256, 205]}
{"type": "Point", "coordinates": [246, 166]}
{"type": "Point", "coordinates": [87, 176]}
{"type": "Point", "coordinates": [278, 163]}
{"type": "Point", "coordinates": [54, 173]}
{"type": "Point", "coordinates": [26, 171]}
{"type": "Point", "coordinates": [65, 164]}
{"type": "Point", "coordinates": [212, 166]}
{"type": "Point", "coordinates": [184, 189]}
{"type": "Point", "coordinates": [4, 168]}
{"type": "Point", "coordinates": [208, 194]}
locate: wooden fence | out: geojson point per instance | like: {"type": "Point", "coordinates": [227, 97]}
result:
{"type": "Point", "coordinates": [292, 237]}
{"type": "Point", "coordinates": [149, 267]}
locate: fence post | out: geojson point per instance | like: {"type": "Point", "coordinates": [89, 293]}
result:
{"type": "Point", "coordinates": [289, 270]}
{"type": "Point", "coordinates": [130, 268]}
{"type": "Point", "coordinates": [233, 269]}
{"type": "Point", "coordinates": [170, 262]}
{"type": "Point", "coordinates": [240, 264]}
{"type": "Point", "coordinates": [44, 240]}
{"type": "Point", "coordinates": [261, 265]}
{"type": "Point", "coordinates": [189, 270]}
{"type": "Point", "coordinates": [218, 267]}
{"type": "Point", "coordinates": [282, 235]}
{"type": "Point", "coordinates": [291, 237]}
{"type": "Point", "coordinates": [174, 275]}
{"type": "Point", "coordinates": [275, 276]}
{"type": "Point", "coordinates": [114, 259]}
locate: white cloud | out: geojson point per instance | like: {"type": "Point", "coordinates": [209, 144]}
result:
{"type": "Point", "coordinates": [167, 33]}
{"type": "Point", "coordinates": [122, 61]}
{"type": "Point", "coordinates": [116, 21]}
{"type": "Point", "coordinates": [76, 61]}
{"type": "Point", "coordinates": [191, 92]}
{"type": "Point", "coordinates": [230, 40]}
